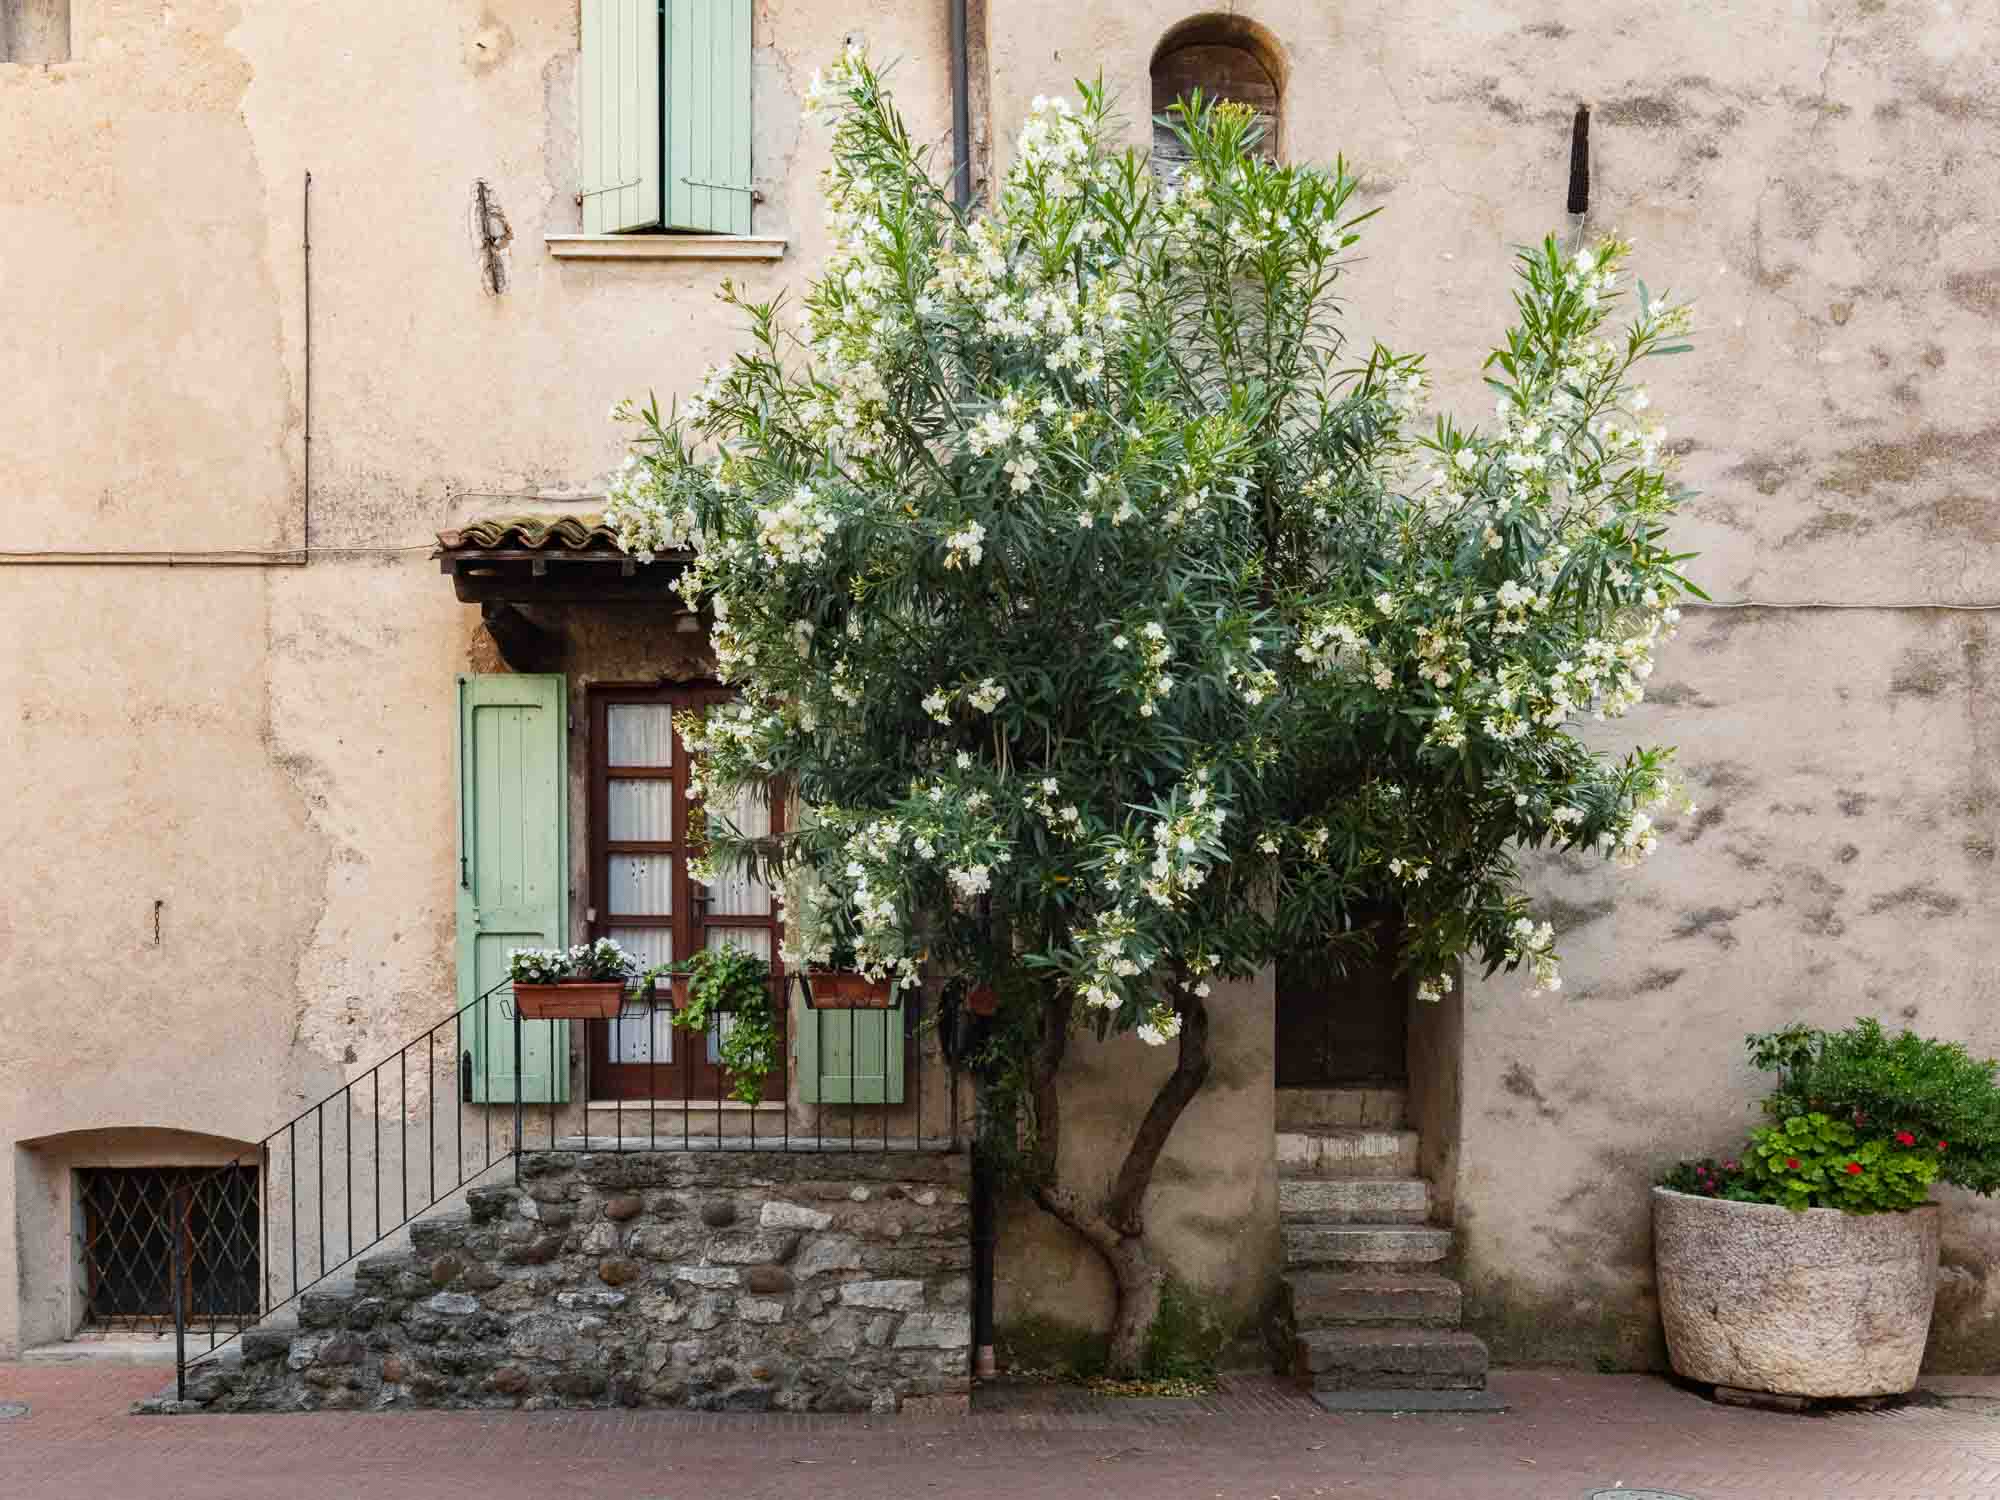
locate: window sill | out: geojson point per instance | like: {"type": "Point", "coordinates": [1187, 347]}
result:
{"type": "Point", "coordinates": [694, 1107]}
{"type": "Point", "coordinates": [665, 246]}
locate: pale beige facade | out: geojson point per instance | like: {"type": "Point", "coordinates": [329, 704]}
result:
{"type": "Point", "coordinates": [232, 827]}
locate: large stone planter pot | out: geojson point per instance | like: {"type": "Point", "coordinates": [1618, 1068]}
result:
{"type": "Point", "coordinates": [1819, 1303]}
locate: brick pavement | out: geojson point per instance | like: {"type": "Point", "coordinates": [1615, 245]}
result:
{"type": "Point", "coordinates": [1569, 1434]}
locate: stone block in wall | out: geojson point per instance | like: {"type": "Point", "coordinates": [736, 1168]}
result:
{"type": "Point", "coordinates": [745, 1249]}
{"type": "Point", "coordinates": [486, 1204]}
{"type": "Point", "coordinates": [678, 1242]}
{"type": "Point", "coordinates": [892, 1296]}
{"type": "Point", "coordinates": [827, 1252]}
{"type": "Point", "coordinates": [935, 1330]}
{"type": "Point", "coordinates": [436, 1235]}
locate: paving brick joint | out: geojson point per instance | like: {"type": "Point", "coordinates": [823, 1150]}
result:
{"type": "Point", "coordinates": [1567, 1435]}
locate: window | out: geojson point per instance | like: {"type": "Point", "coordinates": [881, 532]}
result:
{"type": "Point", "coordinates": [642, 895]}
{"type": "Point", "coordinates": [34, 31]}
{"type": "Point", "coordinates": [129, 1219]}
{"type": "Point", "coordinates": [665, 116]}
{"type": "Point", "coordinates": [1224, 58]}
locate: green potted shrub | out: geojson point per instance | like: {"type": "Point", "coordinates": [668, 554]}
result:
{"type": "Point", "coordinates": [1807, 1263]}
{"type": "Point", "coordinates": [730, 982]}
{"type": "Point", "coordinates": [583, 983]}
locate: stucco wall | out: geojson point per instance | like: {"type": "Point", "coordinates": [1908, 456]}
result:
{"type": "Point", "coordinates": [267, 752]}
{"type": "Point", "coordinates": [1810, 174]}
{"type": "Point", "coordinates": [1212, 1214]}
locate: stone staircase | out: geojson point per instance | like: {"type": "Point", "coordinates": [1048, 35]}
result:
{"type": "Point", "coordinates": [1374, 1319]}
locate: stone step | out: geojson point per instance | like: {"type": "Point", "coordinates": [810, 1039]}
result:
{"type": "Point", "coordinates": [1364, 1244]}
{"type": "Point", "coordinates": [1337, 1299]}
{"type": "Point", "coordinates": [1424, 1359]}
{"type": "Point", "coordinates": [1320, 1109]}
{"type": "Point", "coordinates": [1354, 1200]}
{"type": "Point", "coordinates": [1347, 1152]}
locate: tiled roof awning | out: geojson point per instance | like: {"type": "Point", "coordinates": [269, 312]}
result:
{"type": "Point", "coordinates": [551, 559]}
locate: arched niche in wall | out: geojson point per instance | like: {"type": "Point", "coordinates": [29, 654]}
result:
{"type": "Point", "coordinates": [1226, 57]}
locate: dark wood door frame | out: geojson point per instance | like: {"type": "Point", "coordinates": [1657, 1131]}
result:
{"type": "Point", "coordinates": [691, 1075]}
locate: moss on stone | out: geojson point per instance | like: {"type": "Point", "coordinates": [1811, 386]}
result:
{"type": "Point", "coordinates": [1185, 1342]}
{"type": "Point", "coordinates": [1035, 1344]}
{"type": "Point", "coordinates": [1188, 1335]}
{"type": "Point", "coordinates": [1599, 1332]}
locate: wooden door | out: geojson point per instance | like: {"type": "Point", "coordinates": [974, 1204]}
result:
{"type": "Point", "coordinates": [643, 896]}
{"type": "Point", "coordinates": [1342, 1030]}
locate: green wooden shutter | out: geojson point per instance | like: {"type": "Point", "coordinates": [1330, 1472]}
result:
{"type": "Point", "coordinates": [708, 115]}
{"type": "Point", "coordinates": [513, 885]}
{"type": "Point", "coordinates": [620, 115]}
{"type": "Point", "coordinates": [849, 1056]}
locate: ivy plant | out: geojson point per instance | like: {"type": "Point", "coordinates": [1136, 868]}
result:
{"type": "Point", "coordinates": [729, 991]}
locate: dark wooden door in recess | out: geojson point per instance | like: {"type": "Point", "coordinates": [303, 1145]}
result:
{"type": "Point", "coordinates": [1338, 1030]}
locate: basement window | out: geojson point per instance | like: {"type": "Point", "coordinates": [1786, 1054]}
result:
{"type": "Point", "coordinates": [134, 1222]}
{"type": "Point", "coordinates": [34, 31]}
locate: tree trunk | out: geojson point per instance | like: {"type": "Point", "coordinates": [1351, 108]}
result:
{"type": "Point", "coordinates": [1116, 1228]}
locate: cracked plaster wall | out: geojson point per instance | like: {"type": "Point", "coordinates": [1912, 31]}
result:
{"type": "Point", "coordinates": [269, 751]}
{"type": "Point", "coordinates": [1811, 173]}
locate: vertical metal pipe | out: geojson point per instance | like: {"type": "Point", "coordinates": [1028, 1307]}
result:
{"type": "Point", "coordinates": [403, 1126]}
{"type": "Point", "coordinates": [431, 1081]}
{"type": "Point", "coordinates": [179, 1276]}
{"type": "Point", "coordinates": [306, 423]}
{"type": "Point", "coordinates": [292, 1166]}
{"type": "Point", "coordinates": [319, 1158]}
{"type": "Point", "coordinates": [347, 1110]}
{"type": "Point", "coordinates": [518, 1101]}
{"type": "Point", "coordinates": [961, 109]}
{"type": "Point", "coordinates": [985, 1231]}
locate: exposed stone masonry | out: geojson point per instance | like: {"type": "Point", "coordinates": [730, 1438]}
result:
{"type": "Point", "coordinates": [713, 1280]}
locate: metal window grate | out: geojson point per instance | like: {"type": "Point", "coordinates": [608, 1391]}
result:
{"type": "Point", "coordinates": [132, 1219]}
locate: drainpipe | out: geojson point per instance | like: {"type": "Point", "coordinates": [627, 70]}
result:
{"type": "Point", "coordinates": [961, 109]}
{"type": "Point", "coordinates": [985, 1234]}
{"type": "Point", "coordinates": [985, 1218]}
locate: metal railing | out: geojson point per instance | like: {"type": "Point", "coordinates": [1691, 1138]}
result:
{"type": "Point", "coordinates": [866, 1091]}
{"type": "Point", "coordinates": [444, 1111]}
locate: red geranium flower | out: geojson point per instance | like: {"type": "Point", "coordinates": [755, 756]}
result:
{"type": "Point", "coordinates": [1941, 1145]}
{"type": "Point", "coordinates": [1854, 1169]}
{"type": "Point", "coordinates": [1792, 1162]}
{"type": "Point", "coordinates": [1904, 1138]}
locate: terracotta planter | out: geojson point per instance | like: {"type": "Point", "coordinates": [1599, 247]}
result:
{"type": "Point", "coordinates": [982, 1000]}
{"type": "Point", "coordinates": [829, 990]}
{"type": "Point", "coordinates": [1820, 1303]}
{"type": "Point", "coordinates": [572, 1000]}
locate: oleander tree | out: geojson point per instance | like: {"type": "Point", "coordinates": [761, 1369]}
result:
{"type": "Point", "coordinates": [1120, 625]}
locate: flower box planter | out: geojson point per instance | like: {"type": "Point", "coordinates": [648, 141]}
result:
{"type": "Point", "coordinates": [982, 1000]}
{"type": "Point", "coordinates": [830, 990]}
{"type": "Point", "coordinates": [571, 1000]}
{"type": "Point", "coordinates": [1817, 1303]}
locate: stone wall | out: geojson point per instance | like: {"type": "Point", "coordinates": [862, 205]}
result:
{"type": "Point", "coordinates": [719, 1281]}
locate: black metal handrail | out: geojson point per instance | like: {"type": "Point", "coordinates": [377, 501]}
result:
{"type": "Point", "coordinates": [325, 1196]}
{"type": "Point", "coordinates": [329, 1242]}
